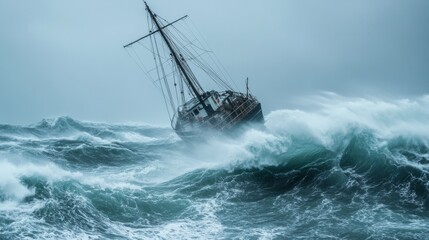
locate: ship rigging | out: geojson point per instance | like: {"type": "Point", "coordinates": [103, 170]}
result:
{"type": "Point", "coordinates": [193, 110]}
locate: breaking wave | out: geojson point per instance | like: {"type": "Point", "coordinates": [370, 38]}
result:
{"type": "Point", "coordinates": [348, 169]}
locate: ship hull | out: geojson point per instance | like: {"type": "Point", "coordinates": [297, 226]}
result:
{"type": "Point", "coordinates": [254, 116]}
{"type": "Point", "coordinates": [199, 132]}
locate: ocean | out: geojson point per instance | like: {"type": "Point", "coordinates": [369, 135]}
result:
{"type": "Point", "coordinates": [346, 169]}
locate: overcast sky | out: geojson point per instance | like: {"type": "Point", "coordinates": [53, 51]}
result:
{"type": "Point", "coordinates": [66, 58]}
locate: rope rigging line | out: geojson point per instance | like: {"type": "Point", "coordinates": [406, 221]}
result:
{"type": "Point", "coordinates": [188, 70]}
{"type": "Point", "coordinates": [175, 65]}
{"type": "Point", "coordinates": [184, 66]}
{"type": "Point", "coordinates": [195, 57]}
{"type": "Point", "coordinates": [162, 89]}
{"type": "Point", "coordinates": [140, 65]}
{"type": "Point", "coordinates": [202, 64]}
{"type": "Point", "coordinates": [215, 59]}
{"type": "Point", "coordinates": [175, 84]}
{"type": "Point", "coordinates": [164, 76]}
{"type": "Point", "coordinates": [182, 90]}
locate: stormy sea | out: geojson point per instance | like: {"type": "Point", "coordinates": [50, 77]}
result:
{"type": "Point", "coordinates": [345, 169]}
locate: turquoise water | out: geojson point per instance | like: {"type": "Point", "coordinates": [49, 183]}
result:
{"type": "Point", "coordinates": [352, 169]}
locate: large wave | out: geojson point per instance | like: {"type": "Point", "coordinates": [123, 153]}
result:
{"type": "Point", "coordinates": [347, 168]}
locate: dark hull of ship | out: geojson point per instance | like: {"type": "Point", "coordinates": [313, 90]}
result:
{"type": "Point", "coordinates": [253, 116]}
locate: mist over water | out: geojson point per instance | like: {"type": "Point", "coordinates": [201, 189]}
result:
{"type": "Point", "coordinates": [348, 169]}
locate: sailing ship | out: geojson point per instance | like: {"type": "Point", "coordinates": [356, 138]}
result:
{"type": "Point", "coordinates": [195, 111]}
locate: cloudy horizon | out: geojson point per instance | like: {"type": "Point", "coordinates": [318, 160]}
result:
{"type": "Point", "coordinates": [66, 58]}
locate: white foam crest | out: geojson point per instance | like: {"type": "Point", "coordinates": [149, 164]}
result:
{"type": "Point", "coordinates": [11, 173]}
{"type": "Point", "coordinates": [265, 233]}
{"type": "Point", "coordinates": [337, 114]}
{"type": "Point", "coordinates": [125, 123]}
{"type": "Point", "coordinates": [216, 153]}
{"type": "Point", "coordinates": [8, 144]}
{"type": "Point", "coordinates": [110, 179]}
{"type": "Point", "coordinates": [31, 227]}
{"type": "Point", "coordinates": [83, 136]}
{"type": "Point", "coordinates": [135, 137]}
{"type": "Point", "coordinates": [66, 136]}
{"type": "Point", "coordinates": [206, 225]}
{"type": "Point", "coordinates": [232, 152]}
{"type": "Point", "coordinates": [10, 185]}
{"type": "Point", "coordinates": [22, 138]}
{"type": "Point", "coordinates": [14, 190]}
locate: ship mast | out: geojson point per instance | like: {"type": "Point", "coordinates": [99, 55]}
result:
{"type": "Point", "coordinates": [184, 68]}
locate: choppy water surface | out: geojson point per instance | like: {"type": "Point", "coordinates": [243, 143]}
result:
{"type": "Point", "coordinates": [352, 169]}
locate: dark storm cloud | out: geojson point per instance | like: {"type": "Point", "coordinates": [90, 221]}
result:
{"type": "Point", "coordinates": [66, 58]}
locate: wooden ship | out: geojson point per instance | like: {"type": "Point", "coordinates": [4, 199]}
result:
{"type": "Point", "coordinates": [195, 110]}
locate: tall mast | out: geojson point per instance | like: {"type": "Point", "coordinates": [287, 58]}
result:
{"type": "Point", "coordinates": [178, 61]}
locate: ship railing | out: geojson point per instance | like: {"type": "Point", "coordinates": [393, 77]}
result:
{"type": "Point", "coordinates": [241, 113]}
{"type": "Point", "coordinates": [228, 118]}
{"type": "Point", "coordinates": [243, 109]}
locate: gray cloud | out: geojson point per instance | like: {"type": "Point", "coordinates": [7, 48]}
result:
{"type": "Point", "coordinates": [66, 58]}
